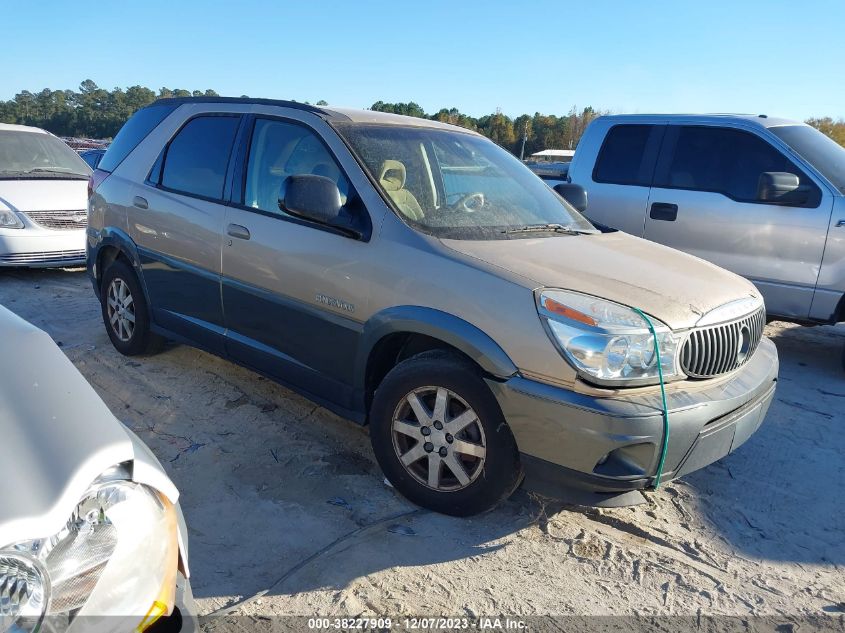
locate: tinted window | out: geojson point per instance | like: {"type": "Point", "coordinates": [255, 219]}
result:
{"type": "Point", "coordinates": [92, 158]}
{"type": "Point", "coordinates": [198, 156]}
{"type": "Point", "coordinates": [622, 159]}
{"type": "Point", "coordinates": [821, 151]}
{"type": "Point", "coordinates": [133, 132]}
{"type": "Point", "coordinates": [279, 150]}
{"type": "Point", "coordinates": [723, 160]}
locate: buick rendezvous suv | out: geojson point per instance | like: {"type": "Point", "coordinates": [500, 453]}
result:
{"type": "Point", "coordinates": [415, 277]}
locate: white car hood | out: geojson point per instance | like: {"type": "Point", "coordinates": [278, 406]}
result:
{"type": "Point", "coordinates": [43, 194]}
{"type": "Point", "coordinates": [56, 436]}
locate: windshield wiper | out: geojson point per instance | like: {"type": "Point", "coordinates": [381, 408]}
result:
{"type": "Point", "coordinates": [545, 228]}
{"type": "Point", "coordinates": [17, 173]}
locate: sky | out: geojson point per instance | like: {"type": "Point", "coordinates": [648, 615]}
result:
{"type": "Point", "coordinates": [754, 56]}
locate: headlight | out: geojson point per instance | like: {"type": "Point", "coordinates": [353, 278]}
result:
{"type": "Point", "coordinates": [116, 555]}
{"type": "Point", "coordinates": [608, 343]}
{"type": "Point", "coordinates": [9, 220]}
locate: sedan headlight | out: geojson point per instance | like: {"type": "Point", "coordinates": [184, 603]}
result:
{"type": "Point", "coordinates": [9, 220]}
{"type": "Point", "coordinates": [116, 555]}
{"type": "Point", "coordinates": [608, 343]}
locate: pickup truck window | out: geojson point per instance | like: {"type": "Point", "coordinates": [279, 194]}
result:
{"type": "Point", "coordinates": [819, 150]}
{"type": "Point", "coordinates": [623, 158]}
{"type": "Point", "coordinates": [722, 160]}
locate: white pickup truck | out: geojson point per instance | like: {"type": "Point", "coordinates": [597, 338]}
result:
{"type": "Point", "coordinates": [762, 197]}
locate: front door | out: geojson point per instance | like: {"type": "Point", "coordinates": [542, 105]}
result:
{"type": "Point", "coordinates": [705, 201]}
{"type": "Point", "coordinates": [292, 290]}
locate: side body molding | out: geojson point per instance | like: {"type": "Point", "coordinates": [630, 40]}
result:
{"type": "Point", "coordinates": [446, 327]}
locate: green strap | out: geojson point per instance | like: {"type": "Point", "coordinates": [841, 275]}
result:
{"type": "Point", "coordinates": [663, 396]}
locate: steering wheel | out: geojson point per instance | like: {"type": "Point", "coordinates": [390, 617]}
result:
{"type": "Point", "coordinates": [469, 202]}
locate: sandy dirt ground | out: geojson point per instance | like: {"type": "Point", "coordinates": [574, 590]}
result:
{"type": "Point", "coordinates": [284, 497]}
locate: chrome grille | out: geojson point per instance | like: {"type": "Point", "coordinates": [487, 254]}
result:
{"type": "Point", "coordinates": [60, 220]}
{"type": "Point", "coordinates": [44, 257]}
{"type": "Point", "coordinates": [718, 349]}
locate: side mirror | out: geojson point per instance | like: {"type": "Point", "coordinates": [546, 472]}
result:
{"type": "Point", "coordinates": [312, 197]}
{"type": "Point", "coordinates": [780, 187]}
{"type": "Point", "coordinates": [575, 195]}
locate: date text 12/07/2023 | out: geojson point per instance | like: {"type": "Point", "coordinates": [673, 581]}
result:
{"type": "Point", "coordinates": [418, 624]}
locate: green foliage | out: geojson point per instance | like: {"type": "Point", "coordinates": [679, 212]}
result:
{"type": "Point", "coordinates": [539, 131]}
{"type": "Point", "coordinates": [834, 129]}
{"type": "Point", "coordinates": [95, 112]}
{"type": "Point", "coordinates": [90, 112]}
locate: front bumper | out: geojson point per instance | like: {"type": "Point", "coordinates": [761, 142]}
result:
{"type": "Point", "coordinates": [41, 249]}
{"type": "Point", "coordinates": [611, 443]}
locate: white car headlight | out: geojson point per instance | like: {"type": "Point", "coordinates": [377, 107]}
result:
{"type": "Point", "coordinates": [117, 555]}
{"type": "Point", "coordinates": [608, 343]}
{"type": "Point", "coordinates": [9, 220]}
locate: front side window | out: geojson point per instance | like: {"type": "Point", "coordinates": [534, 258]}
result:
{"type": "Point", "coordinates": [198, 156]}
{"type": "Point", "coordinates": [623, 156]}
{"type": "Point", "coordinates": [725, 161]}
{"type": "Point", "coordinates": [278, 150]}
{"type": "Point", "coordinates": [38, 155]}
{"type": "Point", "coordinates": [818, 149]}
{"type": "Point", "coordinates": [458, 185]}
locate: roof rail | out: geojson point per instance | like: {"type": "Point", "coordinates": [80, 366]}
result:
{"type": "Point", "coordinates": [247, 100]}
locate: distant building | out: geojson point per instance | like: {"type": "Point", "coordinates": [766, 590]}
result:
{"type": "Point", "coordinates": [553, 155]}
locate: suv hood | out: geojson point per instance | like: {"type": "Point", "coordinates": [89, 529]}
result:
{"type": "Point", "coordinates": [56, 435]}
{"type": "Point", "coordinates": [672, 286]}
{"type": "Point", "coordinates": [44, 194]}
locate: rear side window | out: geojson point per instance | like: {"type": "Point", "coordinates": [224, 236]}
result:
{"type": "Point", "coordinates": [624, 159]}
{"type": "Point", "coordinates": [133, 132]}
{"type": "Point", "coordinates": [197, 158]}
{"type": "Point", "coordinates": [723, 160]}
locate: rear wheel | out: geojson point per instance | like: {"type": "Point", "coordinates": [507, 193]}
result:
{"type": "Point", "coordinates": [440, 436]}
{"type": "Point", "coordinates": [125, 313]}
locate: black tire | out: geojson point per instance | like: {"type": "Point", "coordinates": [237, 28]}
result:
{"type": "Point", "coordinates": [494, 478]}
{"type": "Point", "coordinates": [141, 340]}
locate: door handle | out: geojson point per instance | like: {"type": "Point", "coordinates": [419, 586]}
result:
{"type": "Point", "coordinates": [238, 231]}
{"type": "Point", "coordinates": [140, 202]}
{"type": "Point", "coordinates": [664, 211]}
{"type": "Point", "coordinates": [840, 223]}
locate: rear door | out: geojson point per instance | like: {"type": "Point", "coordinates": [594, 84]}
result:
{"type": "Point", "coordinates": [178, 226]}
{"type": "Point", "coordinates": [292, 289]}
{"type": "Point", "coordinates": [618, 186]}
{"type": "Point", "coordinates": [705, 201]}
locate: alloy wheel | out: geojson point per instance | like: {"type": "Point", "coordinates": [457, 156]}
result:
{"type": "Point", "coordinates": [439, 439]}
{"type": "Point", "coordinates": [120, 308]}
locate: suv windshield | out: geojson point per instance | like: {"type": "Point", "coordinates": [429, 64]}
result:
{"type": "Point", "coordinates": [459, 185]}
{"type": "Point", "coordinates": [38, 155]}
{"type": "Point", "coordinates": [816, 148]}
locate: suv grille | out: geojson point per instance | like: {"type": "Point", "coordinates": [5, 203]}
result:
{"type": "Point", "coordinates": [60, 220]}
{"type": "Point", "coordinates": [715, 350]}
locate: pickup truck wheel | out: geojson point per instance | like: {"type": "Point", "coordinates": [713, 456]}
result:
{"type": "Point", "coordinates": [440, 437]}
{"type": "Point", "coordinates": [125, 312]}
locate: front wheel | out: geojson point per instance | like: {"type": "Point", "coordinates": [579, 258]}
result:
{"type": "Point", "coordinates": [440, 437]}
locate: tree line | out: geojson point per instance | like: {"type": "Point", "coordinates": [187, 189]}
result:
{"type": "Point", "coordinates": [94, 112]}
